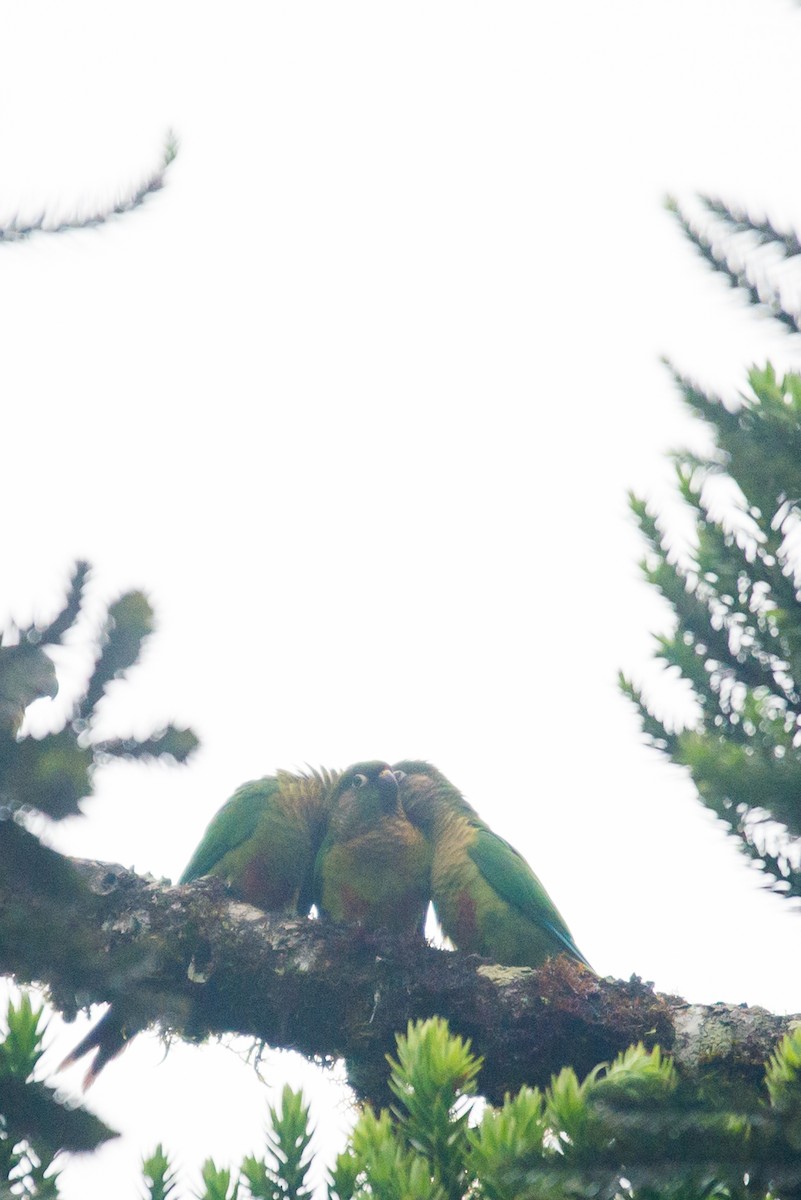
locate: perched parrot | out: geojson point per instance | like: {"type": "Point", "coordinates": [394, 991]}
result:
{"type": "Point", "coordinates": [263, 843]}
{"type": "Point", "coordinates": [374, 866]}
{"type": "Point", "coordinates": [487, 898]}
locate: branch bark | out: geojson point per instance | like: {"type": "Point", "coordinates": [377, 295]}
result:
{"type": "Point", "coordinates": [199, 963]}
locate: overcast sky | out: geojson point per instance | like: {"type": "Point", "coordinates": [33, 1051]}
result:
{"type": "Point", "coordinates": [357, 399]}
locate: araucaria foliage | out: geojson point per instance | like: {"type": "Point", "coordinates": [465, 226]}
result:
{"type": "Point", "coordinates": [630, 1129]}
{"type": "Point", "coordinates": [734, 591]}
{"type": "Point", "coordinates": [35, 1125]}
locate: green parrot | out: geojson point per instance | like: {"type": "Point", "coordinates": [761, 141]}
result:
{"type": "Point", "coordinates": [263, 843]}
{"type": "Point", "coordinates": [374, 867]}
{"type": "Point", "coordinates": [487, 898]}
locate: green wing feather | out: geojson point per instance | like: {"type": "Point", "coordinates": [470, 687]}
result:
{"type": "Point", "coordinates": [508, 873]}
{"type": "Point", "coordinates": [236, 821]}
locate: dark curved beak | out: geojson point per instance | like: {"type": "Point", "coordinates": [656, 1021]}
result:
{"type": "Point", "coordinates": [388, 786]}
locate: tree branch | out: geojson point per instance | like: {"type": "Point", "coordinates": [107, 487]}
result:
{"type": "Point", "coordinates": [199, 963]}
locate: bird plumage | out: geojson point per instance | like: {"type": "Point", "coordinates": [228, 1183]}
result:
{"type": "Point", "coordinates": [373, 868]}
{"type": "Point", "coordinates": [263, 842]}
{"type": "Point", "coordinates": [487, 898]}
{"type": "Point", "coordinates": [369, 846]}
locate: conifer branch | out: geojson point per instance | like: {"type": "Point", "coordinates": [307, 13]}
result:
{"type": "Point", "coordinates": [738, 220]}
{"type": "Point", "coordinates": [737, 637]}
{"type": "Point", "coordinates": [738, 274]}
{"type": "Point", "coordinates": [17, 230]}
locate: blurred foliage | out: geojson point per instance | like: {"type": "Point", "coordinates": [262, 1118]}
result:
{"type": "Point", "coordinates": [734, 591]}
{"type": "Point", "coordinates": [736, 638]}
{"type": "Point", "coordinates": [48, 776]}
{"type": "Point", "coordinates": [749, 252]}
{"type": "Point", "coordinates": [17, 230]}
{"type": "Point", "coordinates": [159, 1177]}
{"type": "Point", "coordinates": [35, 1125]}
{"type": "Point", "coordinates": [282, 1173]}
{"type": "Point", "coordinates": [51, 774]}
{"type": "Point", "coordinates": [629, 1131]}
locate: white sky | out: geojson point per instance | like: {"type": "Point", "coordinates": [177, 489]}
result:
{"type": "Point", "coordinates": [357, 399]}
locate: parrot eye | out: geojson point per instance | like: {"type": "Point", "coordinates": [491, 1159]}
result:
{"type": "Point", "coordinates": [360, 781]}
{"type": "Point", "coordinates": [399, 775]}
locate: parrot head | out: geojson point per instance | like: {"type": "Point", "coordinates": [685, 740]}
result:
{"type": "Point", "coordinates": [426, 794]}
{"type": "Point", "coordinates": [363, 794]}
